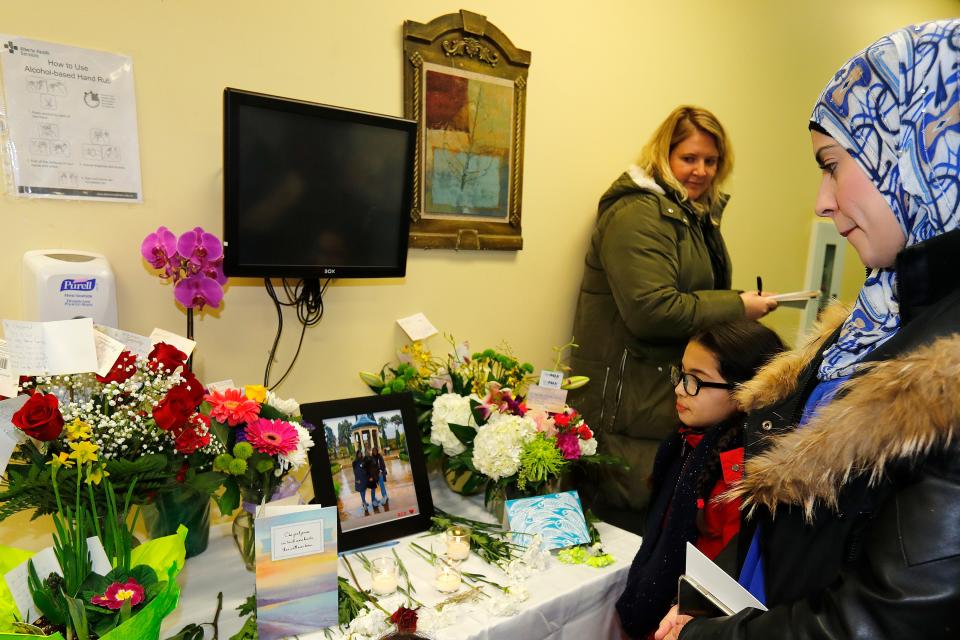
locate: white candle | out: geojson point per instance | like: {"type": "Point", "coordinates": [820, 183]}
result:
{"type": "Point", "coordinates": [458, 549]}
{"type": "Point", "coordinates": [448, 581]}
{"type": "Point", "coordinates": [384, 584]}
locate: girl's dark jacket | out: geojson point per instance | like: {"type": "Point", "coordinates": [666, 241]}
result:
{"type": "Point", "coordinates": [860, 509]}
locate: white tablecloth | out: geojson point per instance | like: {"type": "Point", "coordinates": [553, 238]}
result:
{"type": "Point", "coordinates": [566, 601]}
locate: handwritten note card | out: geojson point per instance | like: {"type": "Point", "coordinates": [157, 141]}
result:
{"type": "Point", "coordinates": [221, 385]}
{"type": "Point", "coordinates": [184, 344]}
{"type": "Point", "coordinates": [417, 327]}
{"type": "Point", "coordinates": [9, 380]}
{"type": "Point", "coordinates": [54, 348]}
{"type": "Point", "coordinates": [45, 563]}
{"type": "Point", "coordinates": [546, 398]}
{"type": "Point", "coordinates": [10, 436]}
{"type": "Point", "coordinates": [551, 379]}
{"type": "Point", "coordinates": [135, 343]}
{"type": "Point", "coordinates": [108, 350]}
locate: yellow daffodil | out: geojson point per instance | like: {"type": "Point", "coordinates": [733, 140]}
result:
{"type": "Point", "coordinates": [96, 474]}
{"type": "Point", "coordinates": [78, 430]}
{"type": "Point", "coordinates": [61, 460]}
{"type": "Point", "coordinates": [255, 392]}
{"type": "Point", "coordinates": [83, 451]}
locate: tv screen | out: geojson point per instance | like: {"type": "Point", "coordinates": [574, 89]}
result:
{"type": "Point", "coordinates": [313, 191]}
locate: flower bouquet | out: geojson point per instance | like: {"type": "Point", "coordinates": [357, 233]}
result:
{"type": "Point", "coordinates": [475, 420]}
{"type": "Point", "coordinates": [263, 438]}
{"type": "Point", "coordinates": [140, 425]}
{"type": "Point", "coordinates": [127, 601]}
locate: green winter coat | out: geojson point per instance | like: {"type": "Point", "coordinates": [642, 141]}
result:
{"type": "Point", "coordinates": [655, 274]}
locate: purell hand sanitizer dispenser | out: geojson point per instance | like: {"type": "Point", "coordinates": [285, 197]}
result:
{"type": "Point", "coordinates": [61, 284]}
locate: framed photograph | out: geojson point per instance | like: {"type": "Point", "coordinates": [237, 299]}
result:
{"type": "Point", "coordinates": [368, 460]}
{"type": "Point", "coordinates": [465, 84]}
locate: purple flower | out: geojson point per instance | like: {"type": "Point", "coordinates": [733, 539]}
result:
{"type": "Point", "coordinates": [199, 248]}
{"type": "Point", "coordinates": [568, 445]}
{"type": "Point", "coordinates": [159, 248]}
{"type": "Point", "coordinates": [198, 290]}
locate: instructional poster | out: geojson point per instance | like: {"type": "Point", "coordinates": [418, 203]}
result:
{"type": "Point", "coordinates": [71, 118]}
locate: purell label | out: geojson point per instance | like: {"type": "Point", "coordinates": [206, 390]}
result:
{"type": "Point", "coordinates": [75, 284]}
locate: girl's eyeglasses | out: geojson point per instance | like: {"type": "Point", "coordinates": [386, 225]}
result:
{"type": "Point", "coordinates": [692, 384]}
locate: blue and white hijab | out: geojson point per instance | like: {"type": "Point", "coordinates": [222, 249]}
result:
{"type": "Point", "coordinates": [895, 107]}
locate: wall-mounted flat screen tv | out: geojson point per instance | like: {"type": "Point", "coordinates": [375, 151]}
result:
{"type": "Point", "coordinates": [314, 191]}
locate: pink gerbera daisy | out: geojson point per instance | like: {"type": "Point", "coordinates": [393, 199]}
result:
{"type": "Point", "coordinates": [273, 437]}
{"type": "Point", "coordinates": [118, 593]}
{"type": "Point", "coordinates": [232, 407]}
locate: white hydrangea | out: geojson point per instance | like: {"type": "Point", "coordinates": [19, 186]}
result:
{"type": "Point", "coordinates": [287, 406]}
{"type": "Point", "coordinates": [497, 447]}
{"type": "Point", "coordinates": [588, 447]}
{"type": "Point", "coordinates": [450, 408]}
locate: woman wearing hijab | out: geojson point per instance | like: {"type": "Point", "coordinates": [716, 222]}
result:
{"type": "Point", "coordinates": [856, 511]}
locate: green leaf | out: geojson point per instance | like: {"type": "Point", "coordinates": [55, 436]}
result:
{"type": "Point", "coordinates": [144, 574]}
{"type": "Point", "coordinates": [464, 434]}
{"type": "Point", "coordinates": [78, 618]}
{"type": "Point", "coordinates": [478, 416]}
{"type": "Point", "coordinates": [205, 483]}
{"type": "Point", "coordinates": [230, 499]}
{"type": "Point", "coordinates": [222, 432]}
{"type": "Point", "coordinates": [192, 631]}
{"type": "Point", "coordinates": [272, 413]}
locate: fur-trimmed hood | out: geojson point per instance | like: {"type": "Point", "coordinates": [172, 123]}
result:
{"type": "Point", "coordinates": [895, 411]}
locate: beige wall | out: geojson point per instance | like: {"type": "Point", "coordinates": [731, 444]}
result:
{"type": "Point", "coordinates": [603, 75]}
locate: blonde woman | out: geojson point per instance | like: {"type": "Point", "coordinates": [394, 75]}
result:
{"type": "Point", "coordinates": [657, 272]}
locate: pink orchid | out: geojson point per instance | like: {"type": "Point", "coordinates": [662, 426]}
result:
{"type": "Point", "coordinates": [159, 249]}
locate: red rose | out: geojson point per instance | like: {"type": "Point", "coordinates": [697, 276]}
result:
{"type": "Point", "coordinates": [405, 619]}
{"type": "Point", "coordinates": [121, 370]}
{"type": "Point", "coordinates": [193, 387]}
{"type": "Point", "coordinates": [584, 431]}
{"type": "Point", "coordinates": [193, 435]}
{"type": "Point", "coordinates": [562, 419]}
{"type": "Point", "coordinates": [174, 409]}
{"type": "Point", "coordinates": [166, 356]}
{"type": "Point", "coordinates": [40, 417]}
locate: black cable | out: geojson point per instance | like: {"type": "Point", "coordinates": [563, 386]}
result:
{"type": "Point", "coordinates": [307, 297]}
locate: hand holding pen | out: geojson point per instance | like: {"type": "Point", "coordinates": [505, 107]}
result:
{"type": "Point", "coordinates": [757, 304]}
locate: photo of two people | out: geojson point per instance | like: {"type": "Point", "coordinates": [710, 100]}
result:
{"type": "Point", "coordinates": [370, 465]}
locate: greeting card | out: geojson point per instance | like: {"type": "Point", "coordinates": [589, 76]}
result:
{"type": "Point", "coordinates": [296, 570]}
{"type": "Point", "coordinates": [557, 517]}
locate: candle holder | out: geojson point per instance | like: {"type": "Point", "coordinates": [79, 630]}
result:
{"type": "Point", "coordinates": [383, 575]}
{"type": "Point", "coordinates": [448, 578]}
{"type": "Point", "coordinates": [458, 543]}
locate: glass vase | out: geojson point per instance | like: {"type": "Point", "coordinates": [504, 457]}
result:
{"type": "Point", "coordinates": [496, 495]}
{"type": "Point", "coordinates": [170, 509]}
{"type": "Point", "coordinates": [243, 536]}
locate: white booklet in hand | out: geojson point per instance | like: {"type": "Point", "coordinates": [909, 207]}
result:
{"type": "Point", "coordinates": [706, 589]}
{"type": "Point", "coordinates": [795, 296]}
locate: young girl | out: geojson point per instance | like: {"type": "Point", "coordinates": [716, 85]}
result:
{"type": "Point", "coordinates": [693, 466]}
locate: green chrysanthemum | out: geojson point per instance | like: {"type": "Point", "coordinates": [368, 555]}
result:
{"type": "Point", "coordinates": [243, 450]}
{"type": "Point", "coordinates": [222, 462]}
{"type": "Point", "coordinates": [238, 467]}
{"type": "Point", "coordinates": [540, 461]}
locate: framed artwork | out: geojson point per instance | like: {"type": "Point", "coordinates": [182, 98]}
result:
{"type": "Point", "coordinates": [465, 84]}
{"type": "Point", "coordinates": [368, 460]}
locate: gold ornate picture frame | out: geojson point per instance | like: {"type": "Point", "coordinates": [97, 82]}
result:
{"type": "Point", "coordinates": [465, 84]}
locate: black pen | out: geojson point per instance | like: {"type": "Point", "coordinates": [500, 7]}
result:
{"type": "Point", "coordinates": [759, 286]}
